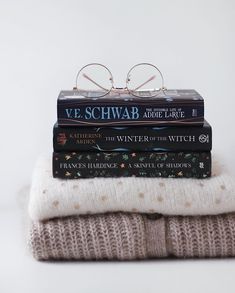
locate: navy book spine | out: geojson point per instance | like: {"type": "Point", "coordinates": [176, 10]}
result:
{"type": "Point", "coordinates": [185, 108]}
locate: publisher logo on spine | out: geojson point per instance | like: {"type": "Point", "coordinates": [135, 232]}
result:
{"type": "Point", "coordinates": [203, 138]}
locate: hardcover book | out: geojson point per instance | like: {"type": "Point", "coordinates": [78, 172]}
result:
{"type": "Point", "coordinates": [136, 138]}
{"type": "Point", "coordinates": [75, 165]}
{"type": "Point", "coordinates": [173, 107]}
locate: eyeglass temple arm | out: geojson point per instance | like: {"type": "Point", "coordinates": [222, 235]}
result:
{"type": "Point", "coordinates": [90, 79]}
{"type": "Point", "coordinates": [100, 86]}
{"type": "Point", "coordinates": [147, 81]}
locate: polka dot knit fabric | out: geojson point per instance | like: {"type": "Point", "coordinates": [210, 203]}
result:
{"type": "Point", "coordinates": [52, 197]}
{"type": "Point", "coordinates": [133, 236]}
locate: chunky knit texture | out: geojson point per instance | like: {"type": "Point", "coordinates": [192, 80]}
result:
{"type": "Point", "coordinates": [100, 237]}
{"type": "Point", "coordinates": [51, 197]}
{"type": "Point", "coordinates": [208, 236]}
{"type": "Point", "coordinates": [133, 236]}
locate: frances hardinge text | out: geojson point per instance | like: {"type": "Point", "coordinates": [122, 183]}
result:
{"type": "Point", "coordinates": [141, 164]}
{"type": "Point", "coordinates": [175, 107]}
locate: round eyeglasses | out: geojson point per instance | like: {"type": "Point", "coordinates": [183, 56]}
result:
{"type": "Point", "coordinates": [143, 80]}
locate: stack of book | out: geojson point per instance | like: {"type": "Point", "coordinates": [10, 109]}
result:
{"type": "Point", "coordinates": [120, 135]}
{"type": "Point", "coordinates": [131, 216]}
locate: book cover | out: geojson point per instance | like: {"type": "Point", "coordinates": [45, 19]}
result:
{"type": "Point", "coordinates": [175, 107]}
{"type": "Point", "coordinates": [137, 138]}
{"type": "Point", "coordinates": [73, 165]}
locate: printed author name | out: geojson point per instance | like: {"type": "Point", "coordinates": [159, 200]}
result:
{"type": "Point", "coordinates": [123, 113]}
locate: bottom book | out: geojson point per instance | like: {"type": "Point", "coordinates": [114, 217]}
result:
{"type": "Point", "coordinates": [75, 165]}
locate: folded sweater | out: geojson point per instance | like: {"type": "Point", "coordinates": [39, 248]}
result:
{"type": "Point", "coordinates": [51, 197]}
{"type": "Point", "coordinates": [124, 236]}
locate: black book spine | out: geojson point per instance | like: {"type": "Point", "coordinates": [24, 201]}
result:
{"type": "Point", "coordinates": [185, 138]}
{"type": "Point", "coordinates": [74, 165]}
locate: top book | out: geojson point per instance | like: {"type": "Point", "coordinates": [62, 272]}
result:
{"type": "Point", "coordinates": [173, 107]}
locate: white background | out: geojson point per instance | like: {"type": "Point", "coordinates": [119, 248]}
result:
{"type": "Point", "coordinates": [42, 45]}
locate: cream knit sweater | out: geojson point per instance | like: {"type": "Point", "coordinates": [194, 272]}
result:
{"type": "Point", "coordinates": [52, 197]}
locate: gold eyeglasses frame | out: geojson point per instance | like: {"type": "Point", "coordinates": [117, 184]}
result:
{"type": "Point", "coordinates": [125, 89]}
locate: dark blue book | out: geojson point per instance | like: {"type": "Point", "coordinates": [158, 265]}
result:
{"type": "Point", "coordinates": [174, 107]}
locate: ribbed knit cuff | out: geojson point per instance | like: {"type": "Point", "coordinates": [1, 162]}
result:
{"type": "Point", "coordinates": [155, 236]}
{"type": "Point", "coordinates": [206, 236]}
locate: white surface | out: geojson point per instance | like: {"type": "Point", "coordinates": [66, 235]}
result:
{"type": "Point", "coordinates": [42, 45]}
{"type": "Point", "coordinates": [20, 273]}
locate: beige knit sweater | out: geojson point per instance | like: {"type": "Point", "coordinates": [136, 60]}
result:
{"type": "Point", "coordinates": [125, 236]}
